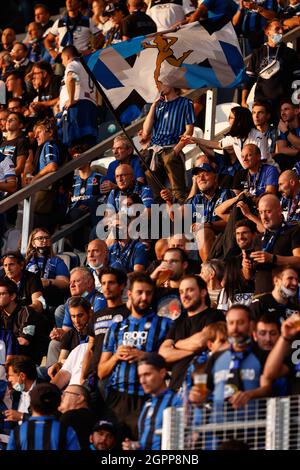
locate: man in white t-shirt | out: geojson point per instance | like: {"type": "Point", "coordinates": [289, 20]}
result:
{"type": "Point", "coordinates": [77, 101]}
{"type": "Point", "coordinates": [73, 28]}
{"type": "Point", "coordinates": [70, 373]}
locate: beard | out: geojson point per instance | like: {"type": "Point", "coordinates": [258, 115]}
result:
{"type": "Point", "coordinates": [141, 310]}
{"type": "Point", "coordinates": [195, 305]}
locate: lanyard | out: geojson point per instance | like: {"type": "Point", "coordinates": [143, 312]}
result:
{"type": "Point", "coordinates": [252, 183]}
{"type": "Point", "coordinates": [269, 238]}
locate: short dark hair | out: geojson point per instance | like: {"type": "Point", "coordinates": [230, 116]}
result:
{"type": "Point", "coordinates": [71, 50]}
{"type": "Point", "coordinates": [43, 65]}
{"type": "Point", "coordinates": [269, 23]}
{"type": "Point", "coordinates": [269, 318]}
{"type": "Point", "coordinates": [140, 277]}
{"type": "Point", "coordinates": [121, 276]}
{"type": "Point", "coordinates": [11, 286]}
{"type": "Point", "coordinates": [41, 5]}
{"type": "Point", "coordinates": [200, 283]}
{"type": "Point", "coordinates": [20, 43]}
{"type": "Point", "coordinates": [45, 398]}
{"type": "Point", "coordinates": [246, 223]}
{"type": "Point", "coordinates": [183, 255]}
{"type": "Point", "coordinates": [15, 73]}
{"type": "Point", "coordinates": [241, 307]}
{"type": "Point", "coordinates": [20, 117]}
{"type": "Point", "coordinates": [264, 104]}
{"type": "Point", "coordinates": [155, 360]}
{"type": "Point", "coordinates": [278, 270]}
{"type": "Point", "coordinates": [287, 100]}
{"type": "Point", "coordinates": [14, 254]}
{"type": "Point", "coordinates": [16, 99]}
{"type": "Point", "coordinates": [77, 301]}
{"type": "Point", "coordinates": [23, 364]}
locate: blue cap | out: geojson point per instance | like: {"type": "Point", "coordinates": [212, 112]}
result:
{"type": "Point", "coordinates": [204, 167]}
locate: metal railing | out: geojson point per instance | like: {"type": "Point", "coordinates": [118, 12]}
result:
{"type": "Point", "coordinates": [269, 424]}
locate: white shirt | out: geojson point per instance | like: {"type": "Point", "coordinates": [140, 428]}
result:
{"type": "Point", "coordinates": [73, 363]}
{"type": "Point", "coordinates": [254, 137]}
{"type": "Point", "coordinates": [24, 402]}
{"type": "Point", "coordinates": [81, 35]}
{"type": "Point", "coordinates": [84, 87]}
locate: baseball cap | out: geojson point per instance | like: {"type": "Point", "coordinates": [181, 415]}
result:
{"type": "Point", "coordinates": [105, 426]}
{"type": "Point", "coordinates": [204, 167]}
{"type": "Point", "coordinates": [112, 7]}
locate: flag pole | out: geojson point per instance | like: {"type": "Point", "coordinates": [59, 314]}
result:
{"type": "Point", "coordinates": [112, 110]}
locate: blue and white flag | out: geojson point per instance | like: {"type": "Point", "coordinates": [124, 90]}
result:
{"type": "Point", "coordinates": [198, 55]}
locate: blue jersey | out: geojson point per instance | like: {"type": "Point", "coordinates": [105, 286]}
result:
{"type": "Point", "coordinates": [210, 205]}
{"type": "Point", "coordinates": [96, 300]}
{"type": "Point", "coordinates": [146, 334]}
{"type": "Point", "coordinates": [282, 136]}
{"type": "Point", "coordinates": [48, 268]}
{"type": "Point", "coordinates": [198, 361]}
{"type": "Point", "coordinates": [171, 118]}
{"type": "Point", "coordinates": [256, 184]}
{"type": "Point", "coordinates": [48, 154]}
{"type": "Point", "coordinates": [151, 418]}
{"type": "Point", "coordinates": [134, 162]}
{"type": "Point", "coordinates": [218, 367]}
{"type": "Point", "coordinates": [224, 168]}
{"type": "Point", "coordinates": [87, 192]}
{"type": "Point", "coordinates": [43, 433]}
{"type": "Point", "coordinates": [116, 195]}
{"type": "Point", "coordinates": [291, 208]}
{"type": "Point", "coordinates": [251, 20]}
{"type": "Point", "coordinates": [127, 256]}
{"type": "Point", "coordinates": [217, 9]}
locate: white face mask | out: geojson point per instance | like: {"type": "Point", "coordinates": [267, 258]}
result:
{"type": "Point", "coordinates": [19, 387]}
{"type": "Point", "coordinates": [99, 266]}
{"type": "Point", "coordinates": [277, 38]}
{"type": "Point", "coordinates": [287, 293]}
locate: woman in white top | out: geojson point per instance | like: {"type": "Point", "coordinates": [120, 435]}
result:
{"type": "Point", "coordinates": [242, 131]}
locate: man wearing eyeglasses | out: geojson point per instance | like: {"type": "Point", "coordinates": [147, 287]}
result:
{"type": "Point", "coordinates": [46, 86]}
{"type": "Point", "coordinates": [126, 184]}
{"type": "Point", "coordinates": [76, 412]}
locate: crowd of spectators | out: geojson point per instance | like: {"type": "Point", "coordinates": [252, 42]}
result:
{"type": "Point", "coordinates": [95, 344]}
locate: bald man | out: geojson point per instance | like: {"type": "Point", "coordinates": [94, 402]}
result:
{"type": "Point", "coordinates": [289, 186]}
{"type": "Point", "coordinates": [126, 186]}
{"type": "Point", "coordinates": [97, 256]}
{"type": "Point", "coordinates": [8, 38]}
{"type": "Point", "coordinates": [280, 243]}
{"type": "Point", "coordinates": [76, 412]}
{"type": "Point", "coordinates": [256, 177]}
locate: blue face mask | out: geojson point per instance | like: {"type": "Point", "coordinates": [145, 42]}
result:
{"type": "Point", "coordinates": [19, 387]}
{"type": "Point", "coordinates": [277, 38]}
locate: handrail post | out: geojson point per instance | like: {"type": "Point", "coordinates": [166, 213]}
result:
{"type": "Point", "coordinates": [26, 223]}
{"type": "Point", "coordinates": [210, 113]}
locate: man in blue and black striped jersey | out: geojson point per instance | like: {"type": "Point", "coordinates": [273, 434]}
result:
{"type": "Point", "coordinates": [43, 431]}
{"type": "Point", "coordinates": [125, 344]}
{"type": "Point", "coordinates": [152, 371]}
{"type": "Point", "coordinates": [169, 118]}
